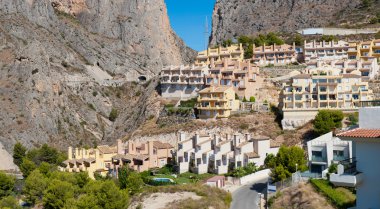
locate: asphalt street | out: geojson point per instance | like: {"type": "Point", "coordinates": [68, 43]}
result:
{"type": "Point", "coordinates": [247, 197]}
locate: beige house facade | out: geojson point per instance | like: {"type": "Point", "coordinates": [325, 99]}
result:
{"type": "Point", "coordinates": [332, 50]}
{"type": "Point", "coordinates": [216, 102]}
{"type": "Point", "coordinates": [322, 88]}
{"type": "Point", "coordinates": [366, 50]}
{"type": "Point", "coordinates": [234, 52]}
{"type": "Point", "coordinates": [243, 76]}
{"type": "Point", "coordinates": [106, 160]}
{"type": "Point", "coordinates": [369, 70]}
{"type": "Point", "coordinates": [182, 82]}
{"type": "Point", "coordinates": [274, 55]}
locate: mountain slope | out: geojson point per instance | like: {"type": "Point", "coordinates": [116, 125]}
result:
{"type": "Point", "coordinates": [232, 18]}
{"type": "Point", "coordinates": [62, 63]}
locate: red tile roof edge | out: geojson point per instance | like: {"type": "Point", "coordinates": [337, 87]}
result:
{"type": "Point", "coordinates": [361, 133]}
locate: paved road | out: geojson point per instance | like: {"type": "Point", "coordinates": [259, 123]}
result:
{"type": "Point", "coordinates": [247, 197]}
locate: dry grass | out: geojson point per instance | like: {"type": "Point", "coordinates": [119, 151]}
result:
{"type": "Point", "coordinates": [302, 196]}
{"type": "Point", "coordinates": [255, 123]}
{"type": "Point", "coordinates": [211, 197]}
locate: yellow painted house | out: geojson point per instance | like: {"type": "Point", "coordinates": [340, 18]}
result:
{"type": "Point", "coordinates": [217, 102]}
{"type": "Point", "coordinates": [366, 50]}
{"type": "Point", "coordinates": [234, 52]}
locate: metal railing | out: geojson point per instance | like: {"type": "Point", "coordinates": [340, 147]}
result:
{"type": "Point", "coordinates": [349, 166]}
{"type": "Point", "coordinates": [374, 103]}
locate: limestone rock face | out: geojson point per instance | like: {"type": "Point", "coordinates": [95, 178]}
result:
{"type": "Point", "coordinates": [232, 18]}
{"type": "Point", "coordinates": [65, 64]}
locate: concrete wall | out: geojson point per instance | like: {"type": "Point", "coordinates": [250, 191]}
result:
{"type": "Point", "coordinates": [368, 192]}
{"type": "Point", "coordinates": [369, 117]}
{"type": "Point", "coordinates": [336, 31]}
{"type": "Point", "coordinates": [260, 175]}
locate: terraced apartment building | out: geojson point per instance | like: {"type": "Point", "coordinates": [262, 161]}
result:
{"type": "Point", "coordinates": [366, 50]}
{"type": "Point", "coordinates": [322, 88]}
{"type": "Point", "coordinates": [274, 54]}
{"type": "Point", "coordinates": [234, 52]}
{"type": "Point", "coordinates": [203, 153]}
{"type": "Point", "coordinates": [323, 50]}
{"type": "Point", "coordinates": [106, 160]}
{"type": "Point", "coordinates": [182, 82]}
{"type": "Point", "coordinates": [241, 75]}
{"type": "Point", "coordinates": [216, 102]}
{"type": "Point", "coordinates": [367, 69]}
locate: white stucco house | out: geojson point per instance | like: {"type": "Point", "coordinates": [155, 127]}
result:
{"type": "Point", "coordinates": [326, 150]}
{"type": "Point", "coordinates": [363, 172]}
{"type": "Point", "coordinates": [203, 153]}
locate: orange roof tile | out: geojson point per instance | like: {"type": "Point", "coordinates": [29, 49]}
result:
{"type": "Point", "coordinates": [361, 133]}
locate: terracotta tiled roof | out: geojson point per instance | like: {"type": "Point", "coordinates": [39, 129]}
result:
{"type": "Point", "coordinates": [105, 149]}
{"type": "Point", "coordinates": [252, 155]}
{"type": "Point", "coordinates": [351, 76]}
{"type": "Point", "coordinates": [304, 76]}
{"type": "Point", "coordinates": [361, 133]}
{"type": "Point", "coordinates": [260, 138]}
{"type": "Point", "coordinates": [160, 145]}
{"type": "Point", "coordinates": [242, 144]}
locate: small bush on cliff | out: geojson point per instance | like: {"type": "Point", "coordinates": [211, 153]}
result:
{"type": "Point", "coordinates": [326, 120]}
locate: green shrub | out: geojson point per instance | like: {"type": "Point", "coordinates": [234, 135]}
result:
{"type": "Point", "coordinates": [252, 99]}
{"type": "Point", "coordinates": [94, 93]}
{"type": "Point", "coordinates": [244, 126]}
{"type": "Point", "coordinates": [340, 197]}
{"type": "Point", "coordinates": [7, 184]}
{"type": "Point", "coordinates": [113, 115]}
{"type": "Point", "coordinates": [91, 106]}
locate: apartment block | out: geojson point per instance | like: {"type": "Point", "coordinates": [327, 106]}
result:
{"type": "Point", "coordinates": [243, 76]}
{"type": "Point", "coordinates": [106, 160]}
{"type": "Point", "coordinates": [323, 50]}
{"type": "Point", "coordinates": [366, 50]}
{"type": "Point", "coordinates": [363, 170]}
{"type": "Point", "coordinates": [367, 69]}
{"type": "Point", "coordinates": [216, 102]}
{"type": "Point", "coordinates": [326, 150]}
{"type": "Point", "coordinates": [94, 160]}
{"type": "Point", "coordinates": [274, 54]}
{"type": "Point", "coordinates": [322, 88]}
{"type": "Point", "coordinates": [182, 82]}
{"type": "Point", "coordinates": [202, 153]}
{"type": "Point", "coordinates": [234, 52]}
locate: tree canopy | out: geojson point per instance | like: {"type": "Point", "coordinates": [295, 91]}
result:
{"type": "Point", "coordinates": [326, 120]}
{"type": "Point", "coordinates": [287, 161]}
{"type": "Point", "coordinates": [7, 184]}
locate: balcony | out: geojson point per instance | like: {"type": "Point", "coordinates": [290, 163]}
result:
{"type": "Point", "coordinates": [318, 159]}
{"type": "Point", "coordinates": [347, 174]}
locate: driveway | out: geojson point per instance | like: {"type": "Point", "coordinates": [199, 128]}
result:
{"type": "Point", "coordinates": [247, 197]}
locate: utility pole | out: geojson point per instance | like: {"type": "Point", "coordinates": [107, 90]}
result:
{"type": "Point", "coordinates": [206, 33]}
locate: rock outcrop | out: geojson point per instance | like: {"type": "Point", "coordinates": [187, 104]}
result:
{"type": "Point", "coordinates": [65, 64]}
{"type": "Point", "coordinates": [232, 18]}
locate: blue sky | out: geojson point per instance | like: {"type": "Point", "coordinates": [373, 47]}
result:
{"type": "Point", "coordinates": [188, 17]}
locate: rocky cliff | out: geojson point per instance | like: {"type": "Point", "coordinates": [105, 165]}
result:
{"type": "Point", "coordinates": [65, 64]}
{"type": "Point", "coordinates": [232, 18]}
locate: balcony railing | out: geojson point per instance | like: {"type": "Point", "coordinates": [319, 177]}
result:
{"type": "Point", "coordinates": [374, 103]}
{"type": "Point", "coordinates": [318, 159]}
{"type": "Point", "coordinates": [339, 158]}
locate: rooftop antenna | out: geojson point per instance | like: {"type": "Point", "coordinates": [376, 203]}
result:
{"type": "Point", "coordinates": [206, 33]}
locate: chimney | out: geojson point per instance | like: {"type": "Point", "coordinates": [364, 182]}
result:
{"type": "Point", "coordinates": [150, 148]}
{"type": "Point", "coordinates": [120, 147]}
{"type": "Point", "coordinates": [216, 140]}
{"type": "Point", "coordinates": [83, 153]}
{"type": "Point", "coordinates": [247, 137]}
{"type": "Point", "coordinates": [182, 136]}
{"type": "Point", "coordinates": [70, 153]}
{"type": "Point", "coordinates": [97, 154]}
{"type": "Point", "coordinates": [236, 138]}
{"type": "Point", "coordinates": [76, 153]}
{"type": "Point", "coordinates": [227, 137]}
{"type": "Point", "coordinates": [196, 139]}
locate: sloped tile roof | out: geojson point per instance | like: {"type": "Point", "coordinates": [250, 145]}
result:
{"type": "Point", "coordinates": [252, 155]}
{"type": "Point", "coordinates": [160, 145]}
{"type": "Point", "coordinates": [361, 133]}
